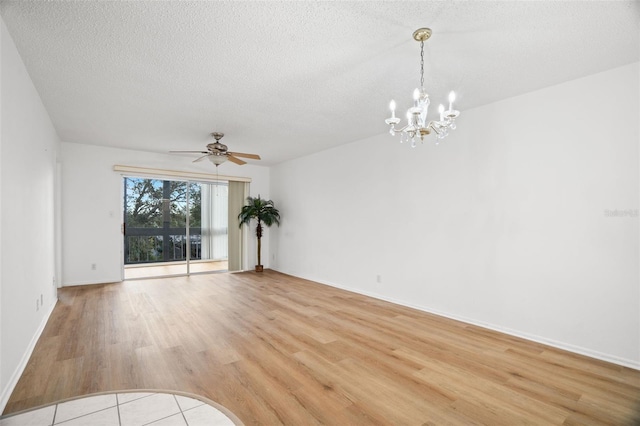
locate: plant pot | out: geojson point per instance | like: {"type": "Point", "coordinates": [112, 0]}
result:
{"type": "Point", "coordinates": [259, 268]}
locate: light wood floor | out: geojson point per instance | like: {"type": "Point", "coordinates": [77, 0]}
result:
{"type": "Point", "coordinates": [280, 350]}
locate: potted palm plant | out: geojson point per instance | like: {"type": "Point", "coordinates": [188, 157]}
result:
{"type": "Point", "coordinates": [264, 212]}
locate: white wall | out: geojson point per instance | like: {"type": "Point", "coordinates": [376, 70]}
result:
{"type": "Point", "coordinates": [503, 225]}
{"type": "Point", "coordinates": [92, 206]}
{"type": "Point", "coordinates": [28, 147]}
{"type": "Point", "coordinates": [3, 391]}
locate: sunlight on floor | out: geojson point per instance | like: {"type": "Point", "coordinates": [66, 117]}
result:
{"type": "Point", "coordinates": [132, 272]}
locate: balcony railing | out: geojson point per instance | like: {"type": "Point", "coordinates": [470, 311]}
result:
{"type": "Point", "coordinates": [151, 245]}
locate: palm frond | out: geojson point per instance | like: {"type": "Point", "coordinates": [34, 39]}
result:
{"type": "Point", "coordinates": [263, 211]}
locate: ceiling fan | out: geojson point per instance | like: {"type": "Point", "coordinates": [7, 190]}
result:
{"type": "Point", "coordinates": [218, 153]}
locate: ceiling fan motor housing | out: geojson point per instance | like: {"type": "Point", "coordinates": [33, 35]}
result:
{"type": "Point", "coordinates": [217, 148]}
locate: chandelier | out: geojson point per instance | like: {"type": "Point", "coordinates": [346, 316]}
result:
{"type": "Point", "coordinates": [417, 126]}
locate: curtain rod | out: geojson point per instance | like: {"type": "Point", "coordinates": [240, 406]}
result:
{"type": "Point", "coordinates": [177, 173]}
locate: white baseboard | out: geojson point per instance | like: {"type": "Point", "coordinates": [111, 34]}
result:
{"type": "Point", "coordinates": [7, 390]}
{"type": "Point", "coordinates": [96, 282]}
{"type": "Point", "coordinates": [538, 339]}
{"type": "Point", "coordinates": [534, 338]}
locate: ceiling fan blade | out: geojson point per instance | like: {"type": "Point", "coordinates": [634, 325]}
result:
{"type": "Point", "coordinates": [242, 154]}
{"type": "Point", "coordinates": [189, 152]}
{"type": "Point", "coordinates": [236, 160]}
{"type": "Point", "coordinates": [200, 158]}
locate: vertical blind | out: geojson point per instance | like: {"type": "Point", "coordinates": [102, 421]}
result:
{"type": "Point", "coordinates": [238, 193]}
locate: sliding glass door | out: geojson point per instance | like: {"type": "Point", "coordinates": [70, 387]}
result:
{"type": "Point", "coordinates": [174, 227]}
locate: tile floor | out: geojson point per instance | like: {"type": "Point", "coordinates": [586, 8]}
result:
{"type": "Point", "coordinates": [125, 409]}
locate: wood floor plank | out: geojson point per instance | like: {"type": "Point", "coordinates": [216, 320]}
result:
{"type": "Point", "coordinates": [276, 349]}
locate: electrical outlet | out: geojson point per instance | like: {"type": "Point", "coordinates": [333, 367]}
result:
{"type": "Point", "coordinates": [378, 278]}
{"type": "Point", "coordinates": [41, 300]}
{"type": "Point", "coordinates": [93, 266]}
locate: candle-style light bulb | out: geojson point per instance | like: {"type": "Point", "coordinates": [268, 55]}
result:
{"type": "Point", "coordinates": [452, 97]}
{"type": "Point", "coordinates": [392, 105]}
{"type": "Point", "coordinates": [416, 94]}
{"type": "Point", "coordinates": [441, 111]}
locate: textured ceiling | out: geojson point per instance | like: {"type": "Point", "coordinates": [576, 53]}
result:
{"type": "Point", "coordinates": [285, 79]}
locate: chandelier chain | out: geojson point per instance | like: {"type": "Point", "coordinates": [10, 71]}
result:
{"type": "Point", "coordinates": [421, 64]}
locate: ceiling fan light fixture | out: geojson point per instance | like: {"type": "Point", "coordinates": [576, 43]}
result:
{"type": "Point", "coordinates": [417, 126]}
{"type": "Point", "coordinates": [217, 159]}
